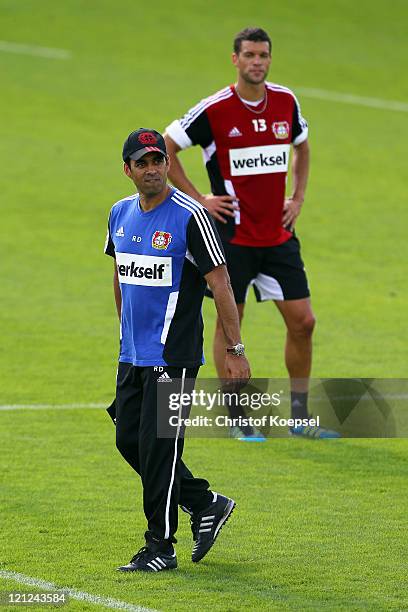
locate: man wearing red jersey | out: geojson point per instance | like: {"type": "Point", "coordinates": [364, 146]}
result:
{"type": "Point", "coordinates": [246, 132]}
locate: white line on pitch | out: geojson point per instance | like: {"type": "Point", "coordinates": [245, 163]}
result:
{"type": "Point", "coordinates": [51, 406]}
{"type": "Point", "coordinates": [308, 92]}
{"type": "Point", "coordinates": [346, 98]}
{"type": "Point", "coordinates": [350, 397]}
{"type": "Point", "coordinates": [22, 49]}
{"type": "Point", "coordinates": [107, 602]}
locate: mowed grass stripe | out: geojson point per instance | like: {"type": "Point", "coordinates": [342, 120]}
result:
{"type": "Point", "coordinates": [34, 50]}
{"type": "Point", "coordinates": [107, 602]}
{"type": "Point", "coordinates": [74, 406]}
{"type": "Point", "coordinates": [99, 405]}
{"type": "Point", "coordinates": [349, 98]}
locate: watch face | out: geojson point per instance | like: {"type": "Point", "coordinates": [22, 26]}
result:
{"type": "Point", "coordinates": [238, 349]}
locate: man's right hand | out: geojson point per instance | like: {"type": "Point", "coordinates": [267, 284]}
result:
{"type": "Point", "coordinates": [237, 368]}
{"type": "Point", "coordinates": [219, 206]}
{"type": "Point", "coordinates": [238, 373]}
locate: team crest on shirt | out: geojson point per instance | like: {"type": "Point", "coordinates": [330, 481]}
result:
{"type": "Point", "coordinates": [161, 240]}
{"type": "Point", "coordinates": [280, 129]}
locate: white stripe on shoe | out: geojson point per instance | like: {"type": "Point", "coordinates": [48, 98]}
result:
{"type": "Point", "coordinates": [228, 510]}
{"type": "Point", "coordinates": [152, 567]}
{"type": "Point", "coordinates": [156, 563]}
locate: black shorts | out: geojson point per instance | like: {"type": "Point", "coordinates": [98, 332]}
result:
{"type": "Point", "coordinates": [276, 272]}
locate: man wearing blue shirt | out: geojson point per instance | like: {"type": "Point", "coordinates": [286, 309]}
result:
{"type": "Point", "coordinates": [166, 251]}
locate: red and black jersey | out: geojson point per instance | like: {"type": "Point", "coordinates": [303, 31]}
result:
{"type": "Point", "coordinates": [246, 151]}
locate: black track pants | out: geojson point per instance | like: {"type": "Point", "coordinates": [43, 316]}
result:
{"type": "Point", "coordinates": [167, 482]}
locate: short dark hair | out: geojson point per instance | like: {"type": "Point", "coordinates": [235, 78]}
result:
{"type": "Point", "coordinates": [252, 34]}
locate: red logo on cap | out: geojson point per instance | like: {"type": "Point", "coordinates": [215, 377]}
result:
{"type": "Point", "coordinates": [147, 138]}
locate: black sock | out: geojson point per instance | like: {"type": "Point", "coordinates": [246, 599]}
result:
{"type": "Point", "coordinates": [236, 411]}
{"type": "Point", "coordinates": [156, 544]}
{"type": "Point", "coordinates": [205, 501]}
{"type": "Point", "coordinates": [299, 405]}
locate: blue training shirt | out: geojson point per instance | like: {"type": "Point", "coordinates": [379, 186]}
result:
{"type": "Point", "coordinates": [161, 257]}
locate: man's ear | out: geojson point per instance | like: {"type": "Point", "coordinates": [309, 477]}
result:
{"type": "Point", "coordinates": [126, 170]}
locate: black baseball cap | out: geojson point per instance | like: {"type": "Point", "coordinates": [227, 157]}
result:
{"type": "Point", "coordinates": [142, 141]}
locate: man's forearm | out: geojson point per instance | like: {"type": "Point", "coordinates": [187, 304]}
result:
{"type": "Point", "coordinates": [117, 293]}
{"type": "Point", "coordinates": [227, 310]}
{"type": "Point", "coordinates": [300, 170]}
{"type": "Point", "coordinates": [177, 173]}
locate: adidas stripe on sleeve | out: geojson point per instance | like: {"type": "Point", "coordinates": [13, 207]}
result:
{"type": "Point", "coordinates": [203, 241]}
{"type": "Point", "coordinates": [194, 128]}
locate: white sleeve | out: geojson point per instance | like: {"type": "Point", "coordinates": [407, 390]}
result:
{"type": "Point", "coordinates": [178, 134]}
{"type": "Point", "coordinates": [302, 137]}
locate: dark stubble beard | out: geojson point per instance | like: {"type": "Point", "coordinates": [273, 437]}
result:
{"type": "Point", "coordinates": [154, 189]}
{"type": "Point", "coordinates": [251, 81]}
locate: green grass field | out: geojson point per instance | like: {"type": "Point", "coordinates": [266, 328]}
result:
{"type": "Point", "coordinates": [317, 525]}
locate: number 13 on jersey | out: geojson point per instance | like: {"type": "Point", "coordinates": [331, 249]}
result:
{"type": "Point", "coordinates": [259, 125]}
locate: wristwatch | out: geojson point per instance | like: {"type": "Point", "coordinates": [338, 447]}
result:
{"type": "Point", "coordinates": [238, 349]}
